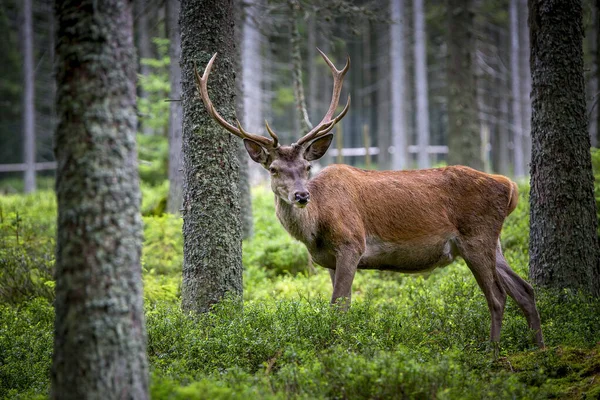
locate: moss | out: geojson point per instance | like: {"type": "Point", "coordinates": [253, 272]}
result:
{"type": "Point", "coordinates": [566, 372]}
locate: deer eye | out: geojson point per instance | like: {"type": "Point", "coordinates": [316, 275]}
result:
{"type": "Point", "coordinates": [273, 171]}
{"type": "Point", "coordinates": [308, 167]}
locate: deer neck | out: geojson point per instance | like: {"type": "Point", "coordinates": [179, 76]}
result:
{"type": "Point", "coordinates": [299, 222]}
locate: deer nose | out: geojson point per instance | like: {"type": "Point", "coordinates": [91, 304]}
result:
{"type": "Point", "coordinates": [302, 197]}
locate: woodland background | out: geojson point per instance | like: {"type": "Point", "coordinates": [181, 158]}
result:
{"type": "Point", "coordinates": [404, 336]}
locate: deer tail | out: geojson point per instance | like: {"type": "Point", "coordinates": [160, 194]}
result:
{"type": "Point", "coordinates": [513, 197]}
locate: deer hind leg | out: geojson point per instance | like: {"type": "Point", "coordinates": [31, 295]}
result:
{"type": "Point", "coordinates": [522, 293]}
{"type": "Point", "coordinates": [332, 276]}
{"type": "Point", "coordinates": [482, 263]}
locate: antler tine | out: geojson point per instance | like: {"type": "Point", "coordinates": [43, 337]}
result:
{"type": "Point", "coordinates": [202, 85]}
{"type": "Point", "coordinates": [272, 134]}
{"type": "Point", "coordinates": [327, 122]}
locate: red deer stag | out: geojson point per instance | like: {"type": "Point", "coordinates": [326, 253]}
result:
{"type": "Point", "coordinates": [407, 221]}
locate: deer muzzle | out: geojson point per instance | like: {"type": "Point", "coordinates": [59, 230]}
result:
{"type": "Point", "coordinates": [301, 198]}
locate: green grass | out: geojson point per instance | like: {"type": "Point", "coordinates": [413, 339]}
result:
{"type": "Point", "coordinates": [405, 336]}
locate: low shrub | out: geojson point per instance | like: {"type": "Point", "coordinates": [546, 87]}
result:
{"type": "Point", "coordinates": [27, 226]}
{"type": "Point", "coordinates": [420, 336]}
{"type": "Point", "coordinates": [272, 247]}
{"type": "Point", "coordinates": [25, 348]}
{"type": "Point", "coordinates": [153, 158]}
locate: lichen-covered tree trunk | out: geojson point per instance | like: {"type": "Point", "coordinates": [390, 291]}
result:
{"type": "Point", "coordinates": [175, 198]}
{"type": "Point", "coordinates": [100, 338]}
{"type": "Point", "coordinates": [563, 243]}
{"type": "Point", "coordinates": [464, 139]}
{"type": "Point", "coordinates": [212, 261]}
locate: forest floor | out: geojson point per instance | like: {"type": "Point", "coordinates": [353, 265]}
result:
{"type": "Point", "coordinates": [405, 336]}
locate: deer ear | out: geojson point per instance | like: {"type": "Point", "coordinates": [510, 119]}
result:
{"type": "Point", "coordinates": [256, 152]}
{"type": "Point", "coordinates": [318, 148]}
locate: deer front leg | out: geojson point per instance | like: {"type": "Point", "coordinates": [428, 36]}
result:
{"type": "Point", "coordinates": [345, 268]}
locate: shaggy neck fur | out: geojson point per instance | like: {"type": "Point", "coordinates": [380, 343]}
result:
{"type": "Point", "coordinates": [299, 222]}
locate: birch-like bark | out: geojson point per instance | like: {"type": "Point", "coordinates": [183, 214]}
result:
{"type": "Point", "coordinates": [303, 120]}
{"type": "Point", "coordinates": [28, 98]}
{"type": "Point", "coordinates": [515, 80]}
{"type": "Point", "coordinates": [421, 83]}
{"type": "Point", "coordinates": [398, 85]}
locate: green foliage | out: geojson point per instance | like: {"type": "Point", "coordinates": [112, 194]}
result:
{"type": "Point", "coordinates": [153, 108]}
{"type": "Point", "coordinates": [271, 247]}
{"type": "Point", "coordinates": [25, 348]}
{"type": "Point", "coordinates": [153, 158]}
{"type": "Point", "coordinates": [404, 336]}
{"type": "Point", "coordinates": [596, 168]}
{"type": "Point", "coordinates": [27, 246]}
{"type": "Point", "coordinates": [515, 232]}
{"type": "Point", "coordinates": [14, 185]}
{"type": "Point", "coordinates": [163, 244]}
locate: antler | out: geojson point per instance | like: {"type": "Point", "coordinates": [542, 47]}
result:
{"type": "Point", "coordinates": [327, 123]}
{"type": "Point", "coordinates": [201, 84]}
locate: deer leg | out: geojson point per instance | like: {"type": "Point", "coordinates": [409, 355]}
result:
{"type": "Point", "coordinates": [345, 267]}
{"type": "Point", "coordinates": [522, 293]}
{"type": "Point", "coordinates": [482, 264]}
{"type": "Point", "coordinates": [332, 276]}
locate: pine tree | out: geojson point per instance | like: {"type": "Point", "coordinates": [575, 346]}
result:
{"type": "Point", "coordinates": [212, 264]}
{"type": "Point", "coordinates": [563, 242]}
{"type": "Point", "coordinates": [464, 140]}
{"type": "Point", "coordinates": [100, 337]}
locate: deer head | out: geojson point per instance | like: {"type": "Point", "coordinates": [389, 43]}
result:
{"type": "Point", "coordinates": [289, 166]}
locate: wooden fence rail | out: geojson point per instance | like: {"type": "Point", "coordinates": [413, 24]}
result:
{"type": "Point", "coordinates": [41, 166]}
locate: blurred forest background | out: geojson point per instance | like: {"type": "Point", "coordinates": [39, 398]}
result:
{"type": "Point", "coordinates": [400, 81]}
{"type": "Point", "coordinates": [432, 83]}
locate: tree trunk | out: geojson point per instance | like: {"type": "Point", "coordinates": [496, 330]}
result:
{"type": "Point", "coordinates": [313, 79]}
{"type": "Point", "coordinates": [398, 86]}
{"type": "Point", "coordinates": [252, 78]}
{"type": "Point", "coordinates": [143, 47]}
{"type": "Point", "coordinates": [384, 141]}
{"type": "Point", "coordinates": [28, 98]}
{"type": "Point", "coordinates": [242, 154]}
{"type": "Point", "coordinates": [591, 82]}
{"type": "Point", "coordinates": [502, 126]}
{"type": "Point", "coordinates": [464, 140]}
{"type": "Point", "coordinates": [212, 264]}
{"type": "Point", "coordinates": [175, 198]}
{"type": "Point", "coordinates": [421, 84]}
{"type": "Point", "coordinates": [99, 336]}
{"type": "Point", "coordinates": [597, 63]}
{"type": "Point", "coordinates": [525, 83]}
{"type": "Point", "coordinates": [515, 79]}
{"type": "Point", "coordinates": [304, 123]}
{"type": "Point", "coordinates": [563, 243]}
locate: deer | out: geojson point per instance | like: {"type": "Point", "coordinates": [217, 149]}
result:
{"type": "Point", "coordinates": [410, 221]}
